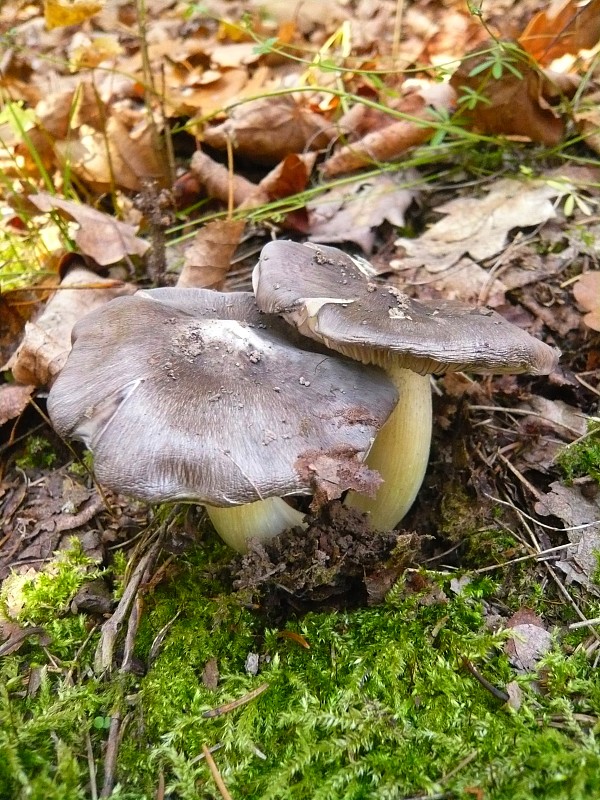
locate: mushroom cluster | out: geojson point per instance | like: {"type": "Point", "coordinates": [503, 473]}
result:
{"type": "Point", "coordinates": [316, 384]}
{"type": "Point", "coordinates": [325, 294]}
{"type": "Point", "coordinates": [190, 394]}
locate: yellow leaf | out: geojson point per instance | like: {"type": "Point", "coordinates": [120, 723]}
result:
{"type": "Point", "coordinates": [60, 13]}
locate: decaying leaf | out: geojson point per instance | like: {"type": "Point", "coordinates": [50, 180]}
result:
{"type": "Point", "coordinates": [587, 294]}
{"type": "Point", "coordinates": [421, 103]}
{"type": "Point", "coordinates": [100, 236]}
{"type": "Point", "coordinates": [267, 130]}
{"type": "Point", "coordinates": [565, 26]}
{"type": "Point", "coordinates": [218, 182]}
{"type": "Point", "coordinates": [289, 177]}
{"type": "Point", "coordinates": [351, 212]}
{"type": "Point", "coordinates": [580, 561]}
{"type": "Point", "coordinates": [116, 155]}
{"type": "Point", "coordinates": [47, 342]}
{"type": "Point", "coordinates": [13, 400]}
{"type": "Point", "coordinates": [530, 640]}
{"type": "Point", "coordinates": [501, 92]}
{"type": "Point", "coordinates": [61, 13]}
{"type": "Point", "coordinates": [587, 117]}
{"type": "Point", "coordinates": [208, 258]}
{"type": "Point", "coordinates": [480, 226]}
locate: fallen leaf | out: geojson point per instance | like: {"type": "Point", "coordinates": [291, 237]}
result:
{"type": "Point", "coordinates": [289, 177]}
{"type": "Point", "coordinates": [479, 226]}
{"type": "Point", "coordinates": [501, 92]}
{"type": "Point", "coordinates": [565, 26]}
{"type": "Point", "coordinates": [587, 118]}
{"type": "Point", "coordinates": [208, 258]}
{"type": "Point", "coordinates": [515, 695]}
{"type": "Point", "coordinates": [267, 130]}
{"type": "Point", "coordinates": [218, 182]}
{"type": "Point", "coordinates": [100, 236]}
{"type": "Point", "coordinates": [580, 562]}
{"type": "Point", "coordinates": [210, 674]}
{"type": "Point", "coordinates": [422, 103]}
{"type": "Point", "coordinates": [13, 400]}
{"type": "Point", "coordinates": [530, 640]}
{"type": "Point", "coordinates": [351, 212]}
{"type": "Point", "coordinates": [47, 341]}
{"type": "Point", "coordinates": [587, 294]}
{"type": "Point", "coordinates": [61, 13]}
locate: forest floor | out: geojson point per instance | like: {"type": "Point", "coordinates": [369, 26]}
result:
{"type": "Point", "coordinates": [165, 143]}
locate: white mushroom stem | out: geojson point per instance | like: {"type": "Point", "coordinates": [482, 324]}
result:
{"type": "Point", "coordinates": [262, 520]}
{"type": "Point", "coordinates": [400, 452]}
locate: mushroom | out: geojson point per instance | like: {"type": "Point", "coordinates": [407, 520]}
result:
{"type": "Point", "coordinates": [324, 293]}
{"type": "Point", "coordinates": [189, 394]}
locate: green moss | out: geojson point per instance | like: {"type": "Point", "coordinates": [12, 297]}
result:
{"type": "Point", "coordinates": [583, 457]}
{"type": "Point", "coordinates": [380, 706]}
{"type": "Point", "coordinates": [39, 454]}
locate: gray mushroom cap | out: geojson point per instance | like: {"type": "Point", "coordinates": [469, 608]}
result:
{"type": "Point", "coordinates": [324, 292]}
{"type": "Point", "coordinates": [193, 394]}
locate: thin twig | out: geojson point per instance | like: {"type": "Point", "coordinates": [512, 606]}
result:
{"type": "Point", "coordinates": [160, 789]}
{"type": "Point", "coordinates": [227, 707]}
{"type": "Point", "coordinates": [110, 630]}
{"type": "Point", "coordinates": [537, 556]}
{"type": "Point", "coordinates": [498, 693]}
{"type": "Point", "coordinates": [521, 412]}
{"type": "Point", "coordinates": [537, 522]}
{"type": "Point", "coordinates": [91, 767]}
{"type": "Point", "coordinates": [215, 773]}
{"type": "Point", "coordinates": [110, 759]}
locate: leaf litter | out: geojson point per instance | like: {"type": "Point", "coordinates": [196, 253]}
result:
{"type": "Point", "coordinates": [88, 117]}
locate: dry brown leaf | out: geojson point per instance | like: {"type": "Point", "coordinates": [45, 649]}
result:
{"type": "Point", "coordinates": [184, 96]}
{"type": "Point", "coordinates": [289, 177]}
{"type": "Point", "coordinates": [62, 112]}
{"type": "Point", "coordinates": [479, 226]}
{"type": "Point", "coordinates": [119, 154]}
{"type": "Point", "coordinates": [388, 143]}
{"type": "Point", "coordinates": [61, 13]}
{"type": "Point", "coordinates": [267, 130]}
{"type": "Point", "coordinates": [208, 258]}
{"type": "Point", "coordinates": [582, 520]}
{"type": "Point", "coordinates": [100, 236]}
{"type": "Point", "coordinates": [232, 55]}
{"type": "Point", "coordinates": [530, 640]}
{"type": "Point", "coordinates": [512, 104]}
{"type": "Point", "coordinates": [587, 294]}
{"type": "Point", "coordinates": [351, 212]}
{"type": "Point", "coordinates": [566, 26]}
{"type": "Point", "coordinates": [13, 400]}
{"type": "Point", "coordinates": [587, 117]}
{"type": "Point", "coordinates": [218, 182]}
{"type": "Point", "coordinates": [47, 342]}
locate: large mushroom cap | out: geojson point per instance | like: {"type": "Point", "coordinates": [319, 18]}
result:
{"type": "Point", "coordinates": [192, 394]}
{"type": "Point", "coordinates": [323, 291]}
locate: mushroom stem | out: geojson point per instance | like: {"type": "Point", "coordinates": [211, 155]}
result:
{"type": "Point", "coordinates": [262, 520]}
{"type": "Point", "coordinates": [400, 452]}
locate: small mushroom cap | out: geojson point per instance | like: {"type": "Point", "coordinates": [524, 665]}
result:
{"type": "Point", "coordinates": [326, 295]}
{"type": "Point", "coordinates": [193, 394]}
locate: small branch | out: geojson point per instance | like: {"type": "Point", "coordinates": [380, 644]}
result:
{"type": "Point", "coordinates": [104, 652]}
{"type": "Point", "coordinates": [498, 693]}
{"type": "Point", "coordinates": [227, 707]}
{"type": "Point", "coordinates": [110, 760]}
{"type": "Point", "coordinates": [91, 767]}
{"type": "Point", "coordinates": [215, 773]}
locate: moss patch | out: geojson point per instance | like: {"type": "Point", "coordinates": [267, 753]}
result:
{"type": "Point", "coordinates": [378, 706]}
